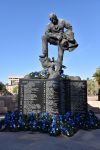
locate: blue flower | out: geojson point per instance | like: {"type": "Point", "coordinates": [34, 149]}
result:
{"type": "Point", "coordinates": [36, 74]}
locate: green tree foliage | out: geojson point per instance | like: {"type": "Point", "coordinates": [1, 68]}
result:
{"type": "Point", "coordinates": [3, 89]}
{"type": "Point", "coordinates": [15, 90]}
{"type": "Point", "coordinates": [96, 75]}
{"type": "Point", "coordinates": [92, 87]}
{"type": "Point", "coordinates": [1, 86]}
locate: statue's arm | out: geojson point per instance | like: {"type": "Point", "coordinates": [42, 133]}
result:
{"type": "Point", "coordinates": [49, 33]}
{"type": "Point", "coordinates": [67, 25]}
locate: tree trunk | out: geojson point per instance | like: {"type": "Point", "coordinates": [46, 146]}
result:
{"type": "Point", "coordinates": [98, 91]}
{"type": "Point", "coordinates": [98, 94]}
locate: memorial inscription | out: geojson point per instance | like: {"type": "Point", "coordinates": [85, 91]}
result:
{"type": "Point", "coordinates": [78, 96]}
{"type": "Point", "coordinates": [52, 96]}
{"type": "Point", "coordinates": [32, 95]}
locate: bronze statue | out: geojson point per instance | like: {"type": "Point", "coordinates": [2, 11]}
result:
{"type": "Point", "coordinates": [58, 32]}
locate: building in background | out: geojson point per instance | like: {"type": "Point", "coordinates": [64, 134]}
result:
{"type": "Point", "coordinates": [13, 82]}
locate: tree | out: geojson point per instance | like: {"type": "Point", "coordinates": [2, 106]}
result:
{"type": "Point", "coordinates": [92, 87]}
{"type": "Point", "coordinates": [1, 86]}
{"type": "Point", "coordinates": [15, 90]}
{"type": "Point", "coordinates": [3, 89]}
{"type": "Point", "coordinates": [96, 75]}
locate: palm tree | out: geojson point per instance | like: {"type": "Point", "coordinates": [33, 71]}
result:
{"type": "Point", "coordinates": [96, 75]}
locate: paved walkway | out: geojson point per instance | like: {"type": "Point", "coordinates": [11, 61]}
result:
{"type": "Point", "coordinates": [94, 104]}
{"type": "Point", "coordinates": [82, 140]}
{"type": "Point", "coordinates": [92, 98]}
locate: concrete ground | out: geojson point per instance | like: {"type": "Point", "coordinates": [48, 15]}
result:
{"type": "Point", "coordinates": [94, 104]}
{"type": "Point", "coordinates": [82, 140]}
{"type": "Point", "coordinates": [92, 98]}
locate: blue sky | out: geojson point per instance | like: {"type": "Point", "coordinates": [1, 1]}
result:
{"type": "Point", "coordinates": [22, 23]}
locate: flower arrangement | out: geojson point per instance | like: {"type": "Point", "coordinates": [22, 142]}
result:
{"type": "Point", "coordinates": [44, 74]}
{"type": "Point", "coordinates": [67, 124]}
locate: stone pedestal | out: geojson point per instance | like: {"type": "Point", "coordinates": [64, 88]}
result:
{"type": "Point", "coordinates": [52, 96]}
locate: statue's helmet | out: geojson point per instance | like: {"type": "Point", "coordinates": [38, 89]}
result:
{"type": "Point", "coordinates": [52, 15]}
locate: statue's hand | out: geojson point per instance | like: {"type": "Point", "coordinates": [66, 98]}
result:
{"type": "Point", "coordinates": [59, 37]}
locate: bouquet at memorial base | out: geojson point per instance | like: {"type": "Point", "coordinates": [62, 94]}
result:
{"type": "Point", "coordinates": [67, 124]}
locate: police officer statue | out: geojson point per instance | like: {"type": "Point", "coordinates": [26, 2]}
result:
{"type": "Point", "coordinates": [58, 32]}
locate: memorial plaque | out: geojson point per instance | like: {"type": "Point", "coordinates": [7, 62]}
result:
{"type": "Point", "coordinates": [64, 96]}
{"type": "Point", "coordinates": [32, 95]}
{"type": "Point", "coordinates": [67, 100]}
{"type": "Point", "coordinates": [52, 96]}
{"type": "Point", "coordinates": [78, 96]}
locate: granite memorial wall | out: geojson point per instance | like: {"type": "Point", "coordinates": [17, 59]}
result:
{"type": "Point", "coordinates": [53, 96]}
